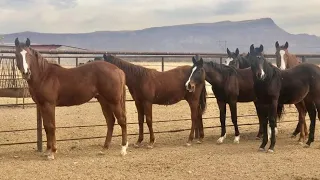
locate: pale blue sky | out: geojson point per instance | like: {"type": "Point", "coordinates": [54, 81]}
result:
{"type": "Point", "coordinates": [74, 16]}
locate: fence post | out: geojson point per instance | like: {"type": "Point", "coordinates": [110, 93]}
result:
{"type": "Point", "coordinates": [58, 60]}
{"type": "Point", "coordinates": [162, 64]}
{"type": "Point", "coordinates": [220, 60]}
{"type": "Point", "coordinates": [77, 62]}
{"type": "Point", "coordinates": [304, 59]}
{"type": "Point", "coordinates": [39, 130]}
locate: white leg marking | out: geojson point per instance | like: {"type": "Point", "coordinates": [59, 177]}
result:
{"type": "Point", "coordinates": [50, 155]}
{"type": "Point", "coordinates": [236, 139]}
{"type": "Point", "coordinates": [24, 61]}
{"type": "Point", "coordinates": [269, 132]}
{"type": "Point", "coordinates": [221, 139]}
{"type": "Point", "coordinates": [193, 69]}
{"type": "Point", "coordinates": [276, 130]}
{"type": "Point", "coordinates": [282, 65]}
{"type": "Point", "coordinates": [228, 60]}
{"type": "Point", "coordinates": [124, 149]}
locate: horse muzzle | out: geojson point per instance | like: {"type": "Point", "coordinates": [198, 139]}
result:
{"type": "Point", "coordinates": [26, 75]}
{"type": "Point", "coordinates": [190, 87]}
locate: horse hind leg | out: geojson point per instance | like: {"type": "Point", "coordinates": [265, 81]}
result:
{"type": "Point", "coordinates": [223, 109]}
{"type": "Point", "coordinates": [312, 110]}
{"type": "Point", "coordinates": [120, 113]}
{"type": "Point", "coordinates": [140, 111]}
{"type": "Point", "coordinates": [110, 120]}
{"type": "Point", "coordinates": [301, 124]}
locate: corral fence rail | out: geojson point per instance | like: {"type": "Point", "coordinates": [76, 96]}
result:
{"type": "Point", "coordinates": [83, 56]}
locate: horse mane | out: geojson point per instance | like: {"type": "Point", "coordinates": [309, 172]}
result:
{"type": "Point", "coordinates": [126, 66]}
{"type": "Point", "coordinates": [271, 70]}
{"type": "Point", "coordinates": [42, 62]}
{"type": "Point", "coordinates": [225, 70]}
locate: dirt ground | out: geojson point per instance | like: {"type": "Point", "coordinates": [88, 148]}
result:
{"type": "Point", "coordinates": [170, 158]}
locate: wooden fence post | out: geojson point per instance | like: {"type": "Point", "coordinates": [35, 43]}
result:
{"type": "Point", "coordinates": [220, 60]}
{"type": "Point", "coordinates": [77, 62]}
{"type": "Point", "coordinates": [39, 130]}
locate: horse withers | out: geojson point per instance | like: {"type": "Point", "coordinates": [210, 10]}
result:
{"type": "Point", "coordinates": [274, 86]}
{"type": "Point", "coordinates": [51, 85]}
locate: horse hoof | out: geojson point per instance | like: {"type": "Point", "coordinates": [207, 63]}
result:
{"type": "Point", "coordinates": [50, 157]}
{"type": "Point", "coordinates": [293, 136]}
{"type": "Point", "coordinates": [261, 150]}
{"type": "Point", "coordinates": [137, 145]}
{"type": "Point", "coordinates": [300, 143]}
{"type": "Point", "coordinates": [221, 139]}
{"type": "Point", "coordinates": [306, 146]}
{"type": "Point", "coordinates": [199, 142]}
{"type": "Point", "coordinates": [188, 144]}
{"type": "Point", "coordinates": [150, 146]}
{"type": "Point", "coordinates": [124, 149]}
{"type": "Point", "coordinates": [236, 140]}
{"type": "Point", "coordinates": [270, 151]}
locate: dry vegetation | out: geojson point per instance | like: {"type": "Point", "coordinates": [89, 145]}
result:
{"type": "Point", "coordinates": [170, 159]}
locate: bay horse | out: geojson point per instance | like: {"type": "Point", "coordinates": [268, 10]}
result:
{"type": "Point", "coordinates": [149, 86]}
{"type": "Point", "coordinates": [229, 85]}
{"type": "Point", "coordinates": [51, 85]}
{"type": "Point", "coordinates": [291, 86]}
{"type": "Point", "coordinates": [285, 60]}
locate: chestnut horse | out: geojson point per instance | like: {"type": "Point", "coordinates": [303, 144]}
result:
{"type": "Point", "coordinates": [51, 85]}
{"type": "Point", "coordinates": [149, 86]}
{"type": "Point", "coordinates": [285, 60]}
{"type": "Point", "coordinates": [274, 86]}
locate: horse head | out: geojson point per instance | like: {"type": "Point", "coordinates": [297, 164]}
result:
{"type": "Point", "coordinates": [281, 58]}
{"type": "Point", "coordinates": [197, 75]}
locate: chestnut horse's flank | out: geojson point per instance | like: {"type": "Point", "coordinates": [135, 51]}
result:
{"type": "Point", "coordinates": [148, 86]}
{"type": "Point", "coordinates": [51, 85]}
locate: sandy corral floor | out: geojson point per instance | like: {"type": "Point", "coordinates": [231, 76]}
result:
{"type": "Point", "coordinates": [170, 158]}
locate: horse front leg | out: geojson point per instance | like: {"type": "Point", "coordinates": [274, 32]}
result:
{"type": "Point", "coordinates": [260, 117]}
{"type": "Point", "coordinates": [48, 115]}
{"type": "Point", "coordinates": [140, 110]}
{"type": "Point", "coordinates": [301, 124]}
{"type": "Point", "coordinates": [222, 108]}
{"type": "Point", "coordinates": [272, 122]}
{"type": "Point", "coordinates": [233, 109]}
{"type": "Point", "coordinates": [148, 113]}
{"type": "Point", "coordinates": [194, 116]}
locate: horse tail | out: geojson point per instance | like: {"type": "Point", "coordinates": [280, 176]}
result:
{"type": "Point", "coordinates": [123, 97]}
{"type": "Point", "coordinates": [203, 100]}
{"type": "Point", "coordinates": [280, 110]}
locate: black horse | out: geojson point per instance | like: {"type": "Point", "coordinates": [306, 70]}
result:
{"type": "Point", "coordinates": [274, 86]}
{"type": "Point", "coordinates": [229, 85]}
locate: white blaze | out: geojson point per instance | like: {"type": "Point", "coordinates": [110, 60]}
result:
{"type": "Point", "coordinates": [193, 69]}
{"type": "Point", "coordinates": [24, 61]}
{"type": "Point", "coordinates": [282, 65]}
{"type": "Point", "coordinates": [228, 60]}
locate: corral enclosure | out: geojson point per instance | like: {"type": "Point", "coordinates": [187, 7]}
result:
{"type": "Point", "coordinates": [170, 159]}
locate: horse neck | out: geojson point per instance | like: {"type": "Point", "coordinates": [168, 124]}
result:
{"type": "Point", "coordinates": [213, 75]}
{"type": "Point", "coordinates": [132, 71]}
{"type": "Point", "coordinates": [270, 71]}
{"type": "Point", "coordinates": [243, 63]}
{"type": "Point", "coordinates": [38, 67]}
{"type": "Point", "coordinates": [291, 60]}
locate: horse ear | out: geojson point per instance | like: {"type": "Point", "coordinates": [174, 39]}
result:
{"type": "Point", "coordinates": [194, 60]}
{"type": "Point", "coordinates": [286, 45]}
{"type": "Point", "coordinates": [228, 52]}
{"type": "Point", "coordinates": [252, 48]}
{"type": "Point", "coordinates": [237, 52]}
{"type": "Point", "coordinates": [277, 44]}
{"type": "Point", "coordinates": [16, 42]}
{"type": "Point", "coordinates": [28, 42]}
{"type": "Point", "coordinates": [261, 48]}
{"type": "Point", "coordinates": [200, 63]}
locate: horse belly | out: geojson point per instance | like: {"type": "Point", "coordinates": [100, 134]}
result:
{"type": "Point", "coordinates": [75, 97]}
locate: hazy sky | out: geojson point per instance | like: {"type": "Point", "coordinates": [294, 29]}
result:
{"type": "Point", "coordinates": [74, 16]}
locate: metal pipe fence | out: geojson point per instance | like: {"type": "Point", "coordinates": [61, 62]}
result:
{"type": "Point", "coordinates": [78, 57]}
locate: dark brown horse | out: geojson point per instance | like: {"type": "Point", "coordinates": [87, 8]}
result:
{"type": "Point", "coordinates": [229, 85]}
{"type": "Point", "coordinates": [242, 61]}
{"type": "Point", "coordinates": [285, 60]}
{"type": "Point", "coordinates": [274, 86]}
{"type": "Point", "coordinates": [149, 86]}
{"type": "Point", "coordinates": [51, 85]}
